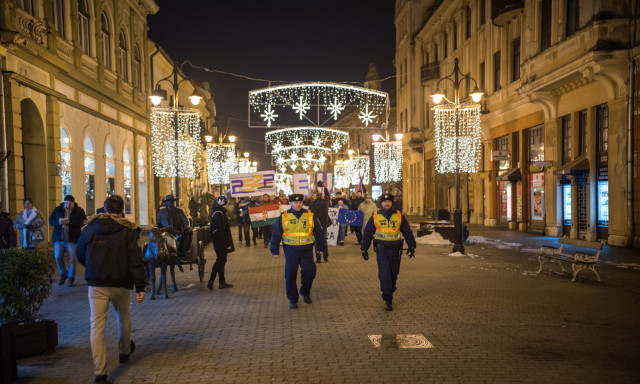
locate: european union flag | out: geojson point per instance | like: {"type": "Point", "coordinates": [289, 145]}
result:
{"type": "Point", "coordinates": [351, 217]}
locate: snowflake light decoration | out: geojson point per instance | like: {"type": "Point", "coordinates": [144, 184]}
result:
{"type": "Point", "coordinates": [317, 141]}
{"type": "Point", "coordinates": [269, 115]}
{"type": "Point", "coordinates": [301, 107]}
{"type": "Point", "coordinates": [366, 117]}
{"type": "Point", "coordinates": [336, 107]}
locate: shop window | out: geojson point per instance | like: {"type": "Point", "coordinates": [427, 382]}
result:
{"type": "Point", "coordinates": [65, 162]}
{"type": "Point", "coordinates": [566, 139]}
{"type": "Point", "coordinates": [110, 170]}
{"type": "Point", "coordinates": [89, 177]}
{"type": "Point", "coordinates": [127, 182]}
{"type": "Point", "coordinates": [142, 189]}
{"type": "Point", "coordinates": [502, 144]}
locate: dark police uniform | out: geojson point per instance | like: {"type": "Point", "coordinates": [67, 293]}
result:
{"type": "Point", "coordinates": [388, 229]}
{"type": "Point", "coordinates": [298, 231]}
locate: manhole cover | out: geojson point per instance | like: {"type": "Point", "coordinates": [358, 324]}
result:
{"type": "Point", "coordinates": [400, 341]}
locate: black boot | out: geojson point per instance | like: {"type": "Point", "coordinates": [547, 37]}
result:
{"type": "Point", "coordinates": [388, 306]}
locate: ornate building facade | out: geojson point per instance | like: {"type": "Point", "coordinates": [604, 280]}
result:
{"type": "Point", "coordinates": [559, 112]}
{"type": "Point", "coordinates": [76, 79]}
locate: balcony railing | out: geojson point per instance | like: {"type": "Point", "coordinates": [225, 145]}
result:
{"type": "Point", "coordinates": [430, 71]}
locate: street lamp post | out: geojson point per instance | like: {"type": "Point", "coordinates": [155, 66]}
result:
{"type": "Point", "coordinates": [160, 94]}
{"type": "Point", "coordinates": [457, 78]}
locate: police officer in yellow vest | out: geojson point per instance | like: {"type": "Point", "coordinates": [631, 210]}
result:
{"type": "Point", "coordinates": [387, 228]}
{"type": "Point", "coordinates": [299, 230]}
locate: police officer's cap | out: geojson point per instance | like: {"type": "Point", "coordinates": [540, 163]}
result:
{"type": "Point", "coordinates": [296, 197]}
{"type": "Point", "coordinates": [386, 196]}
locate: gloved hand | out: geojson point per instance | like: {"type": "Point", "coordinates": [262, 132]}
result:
{"type": "Point", "coordinates": [365, 255]}
{"type": "Point", "coordinates": [411, 253]}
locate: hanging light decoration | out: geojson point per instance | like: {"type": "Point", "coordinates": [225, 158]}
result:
{"type": "Point", "coordinates": [221, 162]}
{"type": "Point", "coordinates": [164, 145]}
{"type": "Point", "coordinates": [284, 182]}
{"type": "Point", "coordinates": [306, 136]}
{"type": "Point", "coordinates": [244, 165]}
{"type": "Point", "coordinates": [359, 170]}
{"type": "Point", "coordinates": [341, 176]}
{"type": "Point", "coordinates": [291, 102]}
{"type": "Point", "coordinates": [387, 161]}
{"type": "Point", "coordinates": [469, 144]}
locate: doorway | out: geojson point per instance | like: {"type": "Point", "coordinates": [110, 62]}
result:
{"type": "Point", "coordinates": [34, 155]}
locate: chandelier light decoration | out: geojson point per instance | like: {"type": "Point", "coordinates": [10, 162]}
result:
{"type": "Point", "coordinates": [341, 176]}
{"type": "Point", "coordinates": [387, 161]}
{"type": "Point", "coordinates": [221, 162]}
{"type": "Point", "coordinates": [351, 172]}
{"type": "Point", "coordinates": [164, 145]}
{"type": "Point", "coordinates": [469, 144]}
{"type": "Point", "coordinates": [317, 103]}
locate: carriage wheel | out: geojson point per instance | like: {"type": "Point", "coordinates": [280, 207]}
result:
{"type": "Point", "coordinates": [201, 261]}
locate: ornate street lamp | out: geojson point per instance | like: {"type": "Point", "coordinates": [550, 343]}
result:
{"type": "Point", "coordinates": [175, 133]}
{"type": "Point", "coordinates": [455, 143]}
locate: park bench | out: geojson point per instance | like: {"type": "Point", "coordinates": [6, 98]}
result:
{"type": "Point", "coordinates": [579, 261]}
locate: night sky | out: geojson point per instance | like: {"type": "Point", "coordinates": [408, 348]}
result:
{"type": "Point", "coordinates": [279, 41]}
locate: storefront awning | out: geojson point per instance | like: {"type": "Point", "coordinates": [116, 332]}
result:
{"type": "Point", "coordinates": [579, 164]}
{"type": "Point", "coordinates": [513, 175]}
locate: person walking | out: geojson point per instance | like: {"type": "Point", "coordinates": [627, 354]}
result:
{"type": "Point", "coordinates": [299, 230]}
{"type": "Point", "coordinates": [266, 230]}
{"type": "Point", "coordinates": [7, 233]}
{"type": "Point", "coordinates": [367, 207]}
{"type": "Point", "coordinates": [222, 242]}
{"type": "Point", "coordinates": [356, 200]}
{"type": "Point", "coordinates": [342, 233]}
{"type": "Point", "coordinates": [108, 249]}
{"type": "Point", "coordinates": [388, 229]}
{"type": "Point", "coordinates": [320, 208]}
{"type": "Point", "coordinates": [31, 226]}
{"type": "Point", "coordinates": [67, 220]}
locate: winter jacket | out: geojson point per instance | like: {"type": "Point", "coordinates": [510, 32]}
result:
{"type": "Point", "coordinates": [173, 217]}
{"type": "Point", "coordinates": [219, 229]}
{"type": "Point", "coordinates": [367, 208]}
{"type": "Point", "coordinates": [108, 249]}
{"type": "Point", "coordinates": [7, 233]}
{"type": "Point", "coordinates": [37, 224]}
{"type": "Point", "coordinates": [320, 209]}
{"type": "Point", "coordinates": [76, 222]}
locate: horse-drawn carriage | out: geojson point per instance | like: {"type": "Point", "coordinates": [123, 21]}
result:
{"type": "Point", "coordinates": [172, 245]}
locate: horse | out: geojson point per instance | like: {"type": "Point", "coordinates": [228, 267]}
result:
{"type": "Point", "coordinates": [161, 252]}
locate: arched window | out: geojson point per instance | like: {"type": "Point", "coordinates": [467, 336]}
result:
{"type": "Point", "coordinates": [124, 56]}
{"type": "Point", "coordinates": [106, 41]}
{"type": "Point", "coordinates": [142, 189]}
{"type": "Point", "coordinates": [65, 162]}
{"type": "Point", "coordinates": [137, 68]}
{"type": "Point", "coordinates": [110, 166]}
{"type": "Point", "coordinates": [127, 181]}
{"type": "Point", "coordinates": [83, 26]}
{"type": "Point", "coordinates": [89, 177]}
{"type": "Point", "coordinates": [57, 7]}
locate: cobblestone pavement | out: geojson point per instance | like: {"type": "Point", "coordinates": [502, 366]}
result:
{"type": "Point", "coordinates": [487, 315]}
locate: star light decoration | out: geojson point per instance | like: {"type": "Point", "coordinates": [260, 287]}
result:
{"type": "Point", "coordinates": [469, 137]}
{"type": "Point", "coordinates": [221, 162]}
{"type": "Point", "coordinates": [164, 145]}
{"type": "Point", "coordinates": [331, 100]}
{"type": "Point", "coordinates": [304, 157]}
{"type": "Point", "coordinates": [387, 161]}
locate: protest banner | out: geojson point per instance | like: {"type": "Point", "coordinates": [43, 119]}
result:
{"type": "Point", "coordinates": [253, 184]}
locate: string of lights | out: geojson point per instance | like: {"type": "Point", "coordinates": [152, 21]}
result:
{"type": "Point", "coordinates": [469, 137]}
{"type": "Point", "coordinates": [164, 145]}
{"type": "Point", "coordinates": [221, 162]}
{"type": "Point", "coordinates": [387, 161]}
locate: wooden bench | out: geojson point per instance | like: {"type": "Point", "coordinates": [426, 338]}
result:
{"type": "Point", "coordinates": [579, 260]}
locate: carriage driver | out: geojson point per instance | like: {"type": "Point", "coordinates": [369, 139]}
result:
{"type": "Point", "coordinates": [173, 218]}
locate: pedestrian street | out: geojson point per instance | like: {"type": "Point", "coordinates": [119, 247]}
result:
{"type": "Point", "coordinates": [485, 317]}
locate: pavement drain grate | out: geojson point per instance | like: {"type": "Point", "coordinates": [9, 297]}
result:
{"type": "Point", "coordinates": [400, 341]}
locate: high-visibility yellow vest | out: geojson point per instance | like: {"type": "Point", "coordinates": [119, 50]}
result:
{"type": "Point", "coordinates": [387, 230]}
{"type": "Point", "coordinates": [298, 231]}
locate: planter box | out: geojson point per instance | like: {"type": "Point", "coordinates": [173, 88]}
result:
{"type": "Point", "coordinates": [8, 366]}
{"type": "Point", "coordinates": [34, 338]}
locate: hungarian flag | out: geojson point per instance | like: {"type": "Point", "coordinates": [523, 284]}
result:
{"type": "Point", "coordinates": [264, 215]}
{"type": "Point", "coordinates": [351, 217]}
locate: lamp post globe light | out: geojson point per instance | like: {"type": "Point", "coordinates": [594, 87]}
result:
{"type": "Point", "coordinates": [187, 118]}
{"type": "Point", "coordinates": [450, 140]}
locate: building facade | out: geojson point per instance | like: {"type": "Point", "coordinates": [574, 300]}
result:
{"type": "Point", "coordinates": [559, 114]}
{"type": "Point", "coordinates": [76, 78]}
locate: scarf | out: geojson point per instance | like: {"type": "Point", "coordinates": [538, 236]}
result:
{"type": "Point", "coordinates": [31, 216]}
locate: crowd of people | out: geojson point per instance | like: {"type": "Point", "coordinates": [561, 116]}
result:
{"type": "Point", "coordinates": [107, 245]}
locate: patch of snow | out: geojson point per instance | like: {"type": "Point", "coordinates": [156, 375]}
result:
{"type": "Point", "coordinates": [623, 265]}
{"type": "Point", "coordinates": [530, 250]}
{"type": "Point", "coordinates": [492, 242]}
{"type": "Point", "coordinates": [433, 239]}
{"type": "Point", "coordinates": [460, 254]}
